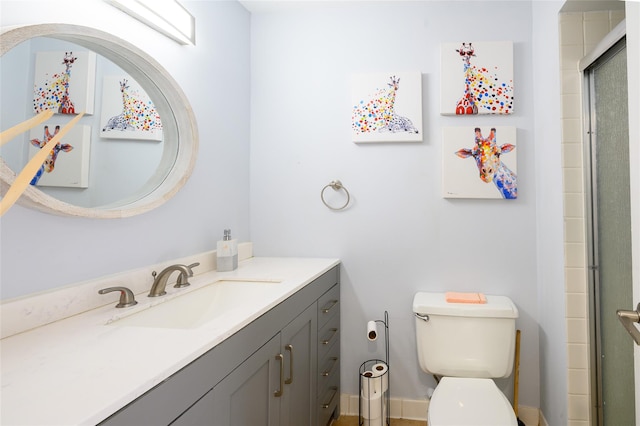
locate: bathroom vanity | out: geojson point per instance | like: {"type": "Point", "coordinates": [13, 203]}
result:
{"type": "Point", "coordinates": [273, 360]}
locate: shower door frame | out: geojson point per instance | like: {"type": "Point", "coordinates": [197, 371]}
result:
{"type": "Point", "coordinates": [608, 47]}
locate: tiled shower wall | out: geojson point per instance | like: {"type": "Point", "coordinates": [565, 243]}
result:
{"type": "Point", "coordinates": [579, 34]}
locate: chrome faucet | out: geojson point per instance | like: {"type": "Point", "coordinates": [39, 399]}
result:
{"type": "Point", "coordinates": [160, 280]}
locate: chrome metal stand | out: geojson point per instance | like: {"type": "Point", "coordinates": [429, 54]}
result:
{"type": "Point", "coordinates": [374, 396]}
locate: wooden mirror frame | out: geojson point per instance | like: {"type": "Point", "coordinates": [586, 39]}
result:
{"type": "Point", "coordinates": [179, 123]}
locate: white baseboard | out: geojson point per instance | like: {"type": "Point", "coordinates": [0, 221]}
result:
{"type": "Point", "coordinates": [529, 415]}
{"type": "Point", "coordinates": [412, 409]}
{"type": "Point", "coordinates": [400, 408]}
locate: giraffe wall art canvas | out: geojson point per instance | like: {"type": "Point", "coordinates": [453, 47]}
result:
{"type": "Point", "coordinates": [64, 82]}
{"type": "Point", "coordinates": [67, 165]}
{"type": "Point", "coordinates": [386, 107]}
{"type": "Point", "coordinates": [127, 111]}
{"type": "Point", "coordinates": [479, 162]}
{"type": "Point", "coordinates": [476, 78]}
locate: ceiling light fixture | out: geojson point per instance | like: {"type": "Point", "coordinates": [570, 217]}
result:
{"type": "Point", "coordinates": [166, 16]}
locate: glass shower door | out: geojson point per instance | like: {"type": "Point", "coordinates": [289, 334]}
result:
{"type": "Point", "coordinates": [611, 260]}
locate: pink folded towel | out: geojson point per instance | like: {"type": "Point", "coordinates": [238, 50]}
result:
{"type": "Point", "coordinates": [455, 297]}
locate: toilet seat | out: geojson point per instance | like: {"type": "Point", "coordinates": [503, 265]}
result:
{"type": "Point", "coordinates": [460, 401]}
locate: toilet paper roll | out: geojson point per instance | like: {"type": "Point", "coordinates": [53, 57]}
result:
{"type": "Point", "coordinates": [372, 331]}
{"type": "Point", "coordinates": [380, 370]}
{"type": "Point", "coordinates": [370, 384]}
{"type": "Point", "coordinates": [374, 408]}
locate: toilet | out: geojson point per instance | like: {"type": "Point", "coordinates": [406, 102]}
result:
{"type": "Point", "coordinates": [468, 344]}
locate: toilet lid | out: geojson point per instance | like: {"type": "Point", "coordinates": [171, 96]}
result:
{"type": "Point", "coordinates": [469, 401]}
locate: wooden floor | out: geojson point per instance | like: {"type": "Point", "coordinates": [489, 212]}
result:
{"type": "Point", "coordinates": [353, 421]}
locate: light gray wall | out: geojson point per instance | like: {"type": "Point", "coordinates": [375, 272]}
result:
{"type": "Point", "coordinates": [41, 251]}
{"type": "Point", "coordinates": [548, 166]}
{"type": "Point", "coordinates": [399, 235]}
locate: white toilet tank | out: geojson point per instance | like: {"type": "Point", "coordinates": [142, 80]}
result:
{"type": "Point", "coordinates": [465, 339]}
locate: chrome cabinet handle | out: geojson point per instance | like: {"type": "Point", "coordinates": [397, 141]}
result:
{"type": "Point", "coordinates": [328, 371]}
{"type": "Point", "coordinates": [290, 379]}
{"type": "Point", "coordinates": [326, 341]}
{"type": "Point", "coordinates": [278, 393]}
{"type": "Point", "coordinates": [627, 318]}
{"type": "Point", "coordinates": [329, 306]}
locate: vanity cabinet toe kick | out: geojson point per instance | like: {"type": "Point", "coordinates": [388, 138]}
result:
{"type": "Point", "coordinates": [281, 369]}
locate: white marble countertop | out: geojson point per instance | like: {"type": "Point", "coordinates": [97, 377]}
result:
{"type": "Point", "coordinates": [80, 370]}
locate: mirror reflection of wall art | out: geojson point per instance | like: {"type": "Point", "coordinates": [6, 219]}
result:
{"type": "Point", "coordinates": [479, 162]}
{"type": "Point", "coordinates": [477, 78]}
{"type": "Point", "coordinates": [387, 107]}
{"type": "Point", "coordinates": [64, 82]}
{"type": "Point", "coordinates": [127, 111]}
{"type": "Point", "coordinates": [68, 163]}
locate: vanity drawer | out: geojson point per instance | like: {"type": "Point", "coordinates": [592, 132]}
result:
{"type": "Point", "coordinates": [328, 402]}
{"type": "Point", "coordinates": [328, 305]}
{"type": "Point", "coordinates": [328, 368]}
{"type": "Point", "coordinates": [327, 337]}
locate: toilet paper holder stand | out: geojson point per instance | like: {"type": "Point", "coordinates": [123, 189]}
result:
{"type": "Point", "coordinates": [373, 388]}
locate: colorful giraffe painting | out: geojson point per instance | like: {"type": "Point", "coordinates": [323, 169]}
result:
{"type": "Point", "coordinates": [467, 104]}
{"type": "Point", "coordinates": [490, 166]}
{"type": "Point", "coordinates": [121, 121]}
{"type": "Point", "coordinates": [66, 105]}
{"type": "Point", "coordinates": [49, 163]}
{"type": "Point", "coordinates": [67, 90]}
{"type": "Point", "coordinates": [377, 113]}
{"type": "Point", "coordinates": [54, 92]}
{"type": "Point", "coordinates": [138, 114]}
{"type": "Point", "coordinates": [486, 88]}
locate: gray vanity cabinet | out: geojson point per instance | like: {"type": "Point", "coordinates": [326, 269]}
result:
{"type": "Point", "coordinates": [275, 386]}
{"type": "Point", "coordinates": [299, 342]}
{"type": "Point", "coordinates": [235, 383]}
{"type": "Point", "coordinates": [247, 396]}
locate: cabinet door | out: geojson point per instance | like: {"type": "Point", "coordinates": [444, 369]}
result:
{"type": "Point", "coordinates": [299, 346]}
{"type": "Point", "coordinates": [247, 396]}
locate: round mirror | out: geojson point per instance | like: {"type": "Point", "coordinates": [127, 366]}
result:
{"type": "Point", "coordinates": [143, 171]}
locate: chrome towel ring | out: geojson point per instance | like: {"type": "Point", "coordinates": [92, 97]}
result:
{"type": "Point", "coordinates": [336, 185]}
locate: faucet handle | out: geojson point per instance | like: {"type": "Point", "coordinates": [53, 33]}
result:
{"type": "Point", "coordinates": [193, 265]}
{"type": "Point", "coordinates": [183, 279]}
{"type": "Point", "coordinates": [126, 296]}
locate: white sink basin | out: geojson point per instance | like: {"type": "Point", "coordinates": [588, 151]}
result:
{"type": "Point", "coordinates": [214, 301]}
